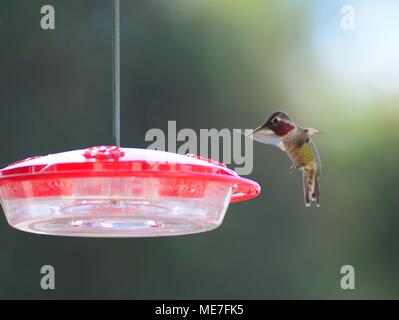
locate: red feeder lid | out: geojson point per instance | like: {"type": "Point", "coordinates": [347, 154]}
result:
{"type": "Point", "coordinates": [109, 161]}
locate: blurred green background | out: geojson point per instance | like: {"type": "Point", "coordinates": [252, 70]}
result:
{"type": "Point", "coordinates": [214, 64]}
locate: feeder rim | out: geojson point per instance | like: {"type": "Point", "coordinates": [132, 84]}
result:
{"type": "Point", "coordinates": [243, 189]}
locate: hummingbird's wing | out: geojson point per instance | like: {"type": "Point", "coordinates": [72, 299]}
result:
{"type": "Point", "coordinates": [303, 137]}
{"type": "Point", "coordinates": [311, 131]}
{"type": "Point", "coordinates": [266, 136]}
{"type": "Point", "coordinates": [316, 156]}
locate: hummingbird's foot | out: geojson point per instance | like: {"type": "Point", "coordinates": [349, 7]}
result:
{"type": "Point", "coordinates": [292, 169]}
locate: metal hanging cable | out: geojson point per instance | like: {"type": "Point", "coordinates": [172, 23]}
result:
{"type": "Point", "coordinates": [116, 99]}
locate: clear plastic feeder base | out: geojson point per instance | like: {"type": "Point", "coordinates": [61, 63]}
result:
{"type": "Point", "coordinates": [113, 192]}
{"type": "Point", "coordinates": [125, 215]}
{"type": "Point", "coordinates": [121, 218]}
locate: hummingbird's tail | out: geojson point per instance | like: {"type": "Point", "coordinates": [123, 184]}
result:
{"type": "Point", "coordinates": [311, 186]}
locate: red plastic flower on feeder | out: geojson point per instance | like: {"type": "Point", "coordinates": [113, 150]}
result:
{"type": "Point", "coordinates": [102, 153]}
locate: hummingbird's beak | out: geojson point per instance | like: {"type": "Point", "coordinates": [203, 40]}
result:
{"type": "Point", "coordinates": [260, 132]}
{"type": "Point", "coordinates": [265, 135]}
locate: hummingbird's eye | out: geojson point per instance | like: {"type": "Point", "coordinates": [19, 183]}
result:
{"type": "Point", "coordinates": [275, 120]}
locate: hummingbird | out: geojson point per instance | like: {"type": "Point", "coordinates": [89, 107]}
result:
{"type": "Point", "coordinates": [281, 131]}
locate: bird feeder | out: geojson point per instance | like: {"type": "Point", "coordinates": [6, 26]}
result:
{"type": "Point", "coordinates": [110, 191]}
{"type": "Point", "coordinates": [119, 192]}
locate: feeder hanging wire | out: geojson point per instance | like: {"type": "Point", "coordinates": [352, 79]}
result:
{"type": "Point", "coordinates": [116, 85]}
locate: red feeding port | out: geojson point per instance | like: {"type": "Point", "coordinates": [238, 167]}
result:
{"type": "Point", "coordinates": [119, 192]}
